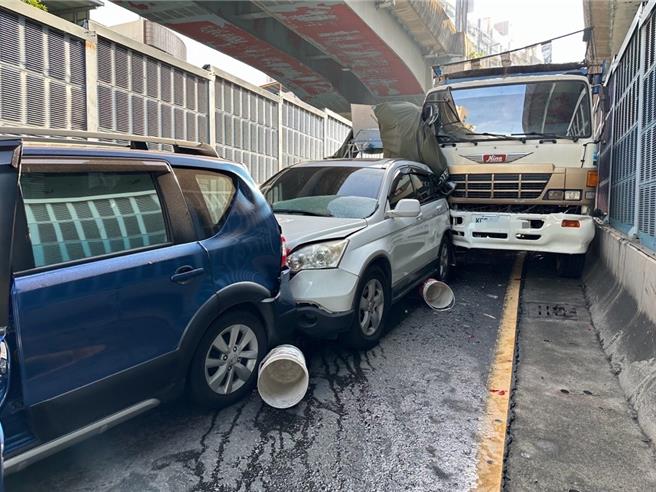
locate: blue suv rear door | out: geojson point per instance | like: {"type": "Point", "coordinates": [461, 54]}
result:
{"type": "Point", "coordinates": [114, 276]}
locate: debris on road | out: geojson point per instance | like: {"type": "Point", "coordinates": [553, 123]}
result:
{"type": "Point", "coordinates": [283, 378]}
{"type": "Point", "coordinates": [438, 295]}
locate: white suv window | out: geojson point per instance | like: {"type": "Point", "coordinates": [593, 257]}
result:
{"type": "Point", "coordinates": [73, 216]}
{"type": "Point", "coordinates": [401, 189]}
{"type": "Point", "coordinates": [425, 187]}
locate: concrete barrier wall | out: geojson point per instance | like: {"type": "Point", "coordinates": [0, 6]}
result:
{"type": "Point", "coordinates": [620, 282]}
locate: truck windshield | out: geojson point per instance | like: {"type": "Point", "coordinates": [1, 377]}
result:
{"type": "Point", "coordinates": [527, 110]}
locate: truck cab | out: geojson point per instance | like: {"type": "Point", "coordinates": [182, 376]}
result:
{"type": "Point", "coordinates": [519, 145]}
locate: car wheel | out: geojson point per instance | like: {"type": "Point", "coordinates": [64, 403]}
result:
{"type": "Point", "coordinates": [570, 266]}
{"type": "Point", "coordinates": [370, 306]}
{"type": "Point", "coordinates": [445, 259]}
{"type": "Point", "coordinates": [224, 367]}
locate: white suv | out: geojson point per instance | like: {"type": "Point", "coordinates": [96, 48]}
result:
{"type": "Point", "coordinates": [361, 234]}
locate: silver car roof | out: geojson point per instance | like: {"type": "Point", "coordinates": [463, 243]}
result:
{"type": "Point", "coordinates": [385, 163]}
{"type": "Point", "coordinates": [373, 163]}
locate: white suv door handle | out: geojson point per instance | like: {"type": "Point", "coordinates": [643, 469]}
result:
{"type": "Point", "coordinates": [441, 208]}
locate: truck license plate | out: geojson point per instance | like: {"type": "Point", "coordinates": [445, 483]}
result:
{"type": "Point", "coordinates": [487, 219]}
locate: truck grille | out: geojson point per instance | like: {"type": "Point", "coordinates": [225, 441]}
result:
{"type": "Point", "coordinates": [500, 186]}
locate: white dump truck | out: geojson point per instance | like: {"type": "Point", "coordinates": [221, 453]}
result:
{"type": "Point", "coordinates": [519, 144]}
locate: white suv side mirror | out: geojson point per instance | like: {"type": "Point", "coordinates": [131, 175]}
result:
{"type": "Point", "coordinates": [408, 207]}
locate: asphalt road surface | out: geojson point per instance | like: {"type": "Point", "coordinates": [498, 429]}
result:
{"type": "Point", "coordinates": [403, 416]}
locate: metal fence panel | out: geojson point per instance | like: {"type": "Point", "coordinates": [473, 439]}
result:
{"type": "Point", "coordinates": [246, 127]}
{"type": "Point", "coordinates": [42, 75]}
{"type": "Point", "coordinates": [45, 66]}
{"type": "Point", "coordinates": [647, 177]}
{"type": "Point", "coordinates": [627, 164]}
{"type": "Point", "coordinates": [142, 95]}
{"type": "Point", "coordinates": [607, 112]}
{"type": "Point", "coordinates": [336, 132]}
{"type": "Point", "coordinates": [625, 131]}
{"type": "Point", "coordinates": [303, 137]}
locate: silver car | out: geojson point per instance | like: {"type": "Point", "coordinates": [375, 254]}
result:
{"type": "Point", "coordinates": [360, 234]}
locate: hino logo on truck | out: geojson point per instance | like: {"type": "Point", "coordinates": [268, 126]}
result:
{"type": "Point", "coordinates": [496, 158]}
{"type": "Point", "coordinates": [493, 158]}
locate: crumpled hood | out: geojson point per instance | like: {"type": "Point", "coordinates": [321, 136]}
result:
{"type": "Point", "coordinates": [300, 229]}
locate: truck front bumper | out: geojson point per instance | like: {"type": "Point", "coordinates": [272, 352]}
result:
{"type": "Point", "coordinates": [551, 233]}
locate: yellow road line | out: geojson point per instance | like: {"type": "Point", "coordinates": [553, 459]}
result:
{"type": "Point", "coordinates": [495, 421]}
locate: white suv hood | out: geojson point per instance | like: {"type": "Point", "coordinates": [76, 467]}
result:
{"type": "Point", "coordinates": [300, 229]}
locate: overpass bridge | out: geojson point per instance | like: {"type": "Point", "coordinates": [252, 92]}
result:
{"type": "Point", "coordinates": [330, 54]}
{"type": "Point", "coordinates": [578, 415]}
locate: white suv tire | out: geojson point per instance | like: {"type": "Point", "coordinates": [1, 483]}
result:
{"type": "Point", "coordinates": [371, 305]}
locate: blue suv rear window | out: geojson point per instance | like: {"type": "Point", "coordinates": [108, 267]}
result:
{"type": "Point", "coordinates": [73, 216]}
{"type": "Point", "coordinates": [208, 195]}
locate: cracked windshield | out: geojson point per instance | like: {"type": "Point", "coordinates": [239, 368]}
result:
{"type": "Point", "coordinates": [327, 245]}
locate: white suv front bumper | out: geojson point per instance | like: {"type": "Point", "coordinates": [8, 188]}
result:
{"type": "Point", "coordinates": [324, 301]}
{"type": "Point", "coordinates": [524, 232]}
{"type": "Point", "coordinates": [331, 289]}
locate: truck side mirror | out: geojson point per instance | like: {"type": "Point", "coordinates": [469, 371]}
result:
{"type": "Point", "coordinates": [430, 114]}
{"type": "Point", "coordinates": [448, 188]}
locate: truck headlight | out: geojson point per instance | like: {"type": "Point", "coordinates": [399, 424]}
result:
{"type": "Point", "coordinates": [555, 195]}
{"type": "Point", "coordinates": [317, 256]}
{"type": "Point", "coordinates": [572, 195]}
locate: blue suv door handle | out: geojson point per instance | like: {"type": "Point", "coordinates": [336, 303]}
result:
{"type": "Point", "coordinates": [185, 273]}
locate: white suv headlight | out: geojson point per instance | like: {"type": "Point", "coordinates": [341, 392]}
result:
{"type": "Point", "coordinates": [317, 256]}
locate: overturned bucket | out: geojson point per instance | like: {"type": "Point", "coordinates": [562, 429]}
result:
{"type": "Point", "coordinates": [282, 380]}
{"type": "Point", "coordinates": [438, 295]}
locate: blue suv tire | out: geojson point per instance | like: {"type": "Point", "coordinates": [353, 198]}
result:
{"type": "Point", "coordinates": [224, 367]}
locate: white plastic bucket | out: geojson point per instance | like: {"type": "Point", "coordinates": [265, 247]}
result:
{"type": "Point", "coordinates": [282, 379]}
{"type": "Point", "coordinates": [438, 295]}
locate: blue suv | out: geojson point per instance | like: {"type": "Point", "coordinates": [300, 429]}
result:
{"type": "Point", "coordinates": [126, 277]}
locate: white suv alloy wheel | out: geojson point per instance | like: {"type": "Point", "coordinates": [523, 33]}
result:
{"type": "Point", "coordinates": [372, 305]}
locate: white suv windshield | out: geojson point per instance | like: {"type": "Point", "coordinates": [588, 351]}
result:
{"type": "Point", "coordinates": [537, 109]}
{"type": "Point", "coordinates": [330, 191]}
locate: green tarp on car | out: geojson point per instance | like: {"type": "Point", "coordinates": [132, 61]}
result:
{"type": "Point", "coordinates": [405, 135]}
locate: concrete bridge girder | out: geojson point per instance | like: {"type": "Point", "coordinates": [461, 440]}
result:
{"type": "Point", "coordinates": [330, 53]}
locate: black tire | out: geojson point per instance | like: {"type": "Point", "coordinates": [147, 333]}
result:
{"type": "Point", "coordinates": [570, 266]}
{"type": "Point", "coordinates": [444, 271]}
{"type": "Point", "coordinates": [200, 376]}
{"type": "Point", "coordinates": [355, 337]}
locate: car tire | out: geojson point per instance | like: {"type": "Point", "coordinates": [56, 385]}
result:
{"type": "Point", "coordinates": [570, 266]}
{"type": "Point", "coordinates": [445, 259]}
{"type": "Point", "coordinates": [369, 316]}
{"type": "Point", "coordinates": [225, 364]}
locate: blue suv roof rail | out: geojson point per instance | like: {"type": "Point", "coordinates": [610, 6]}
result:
{"type": "Point", "coordinates": [81, 137]}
